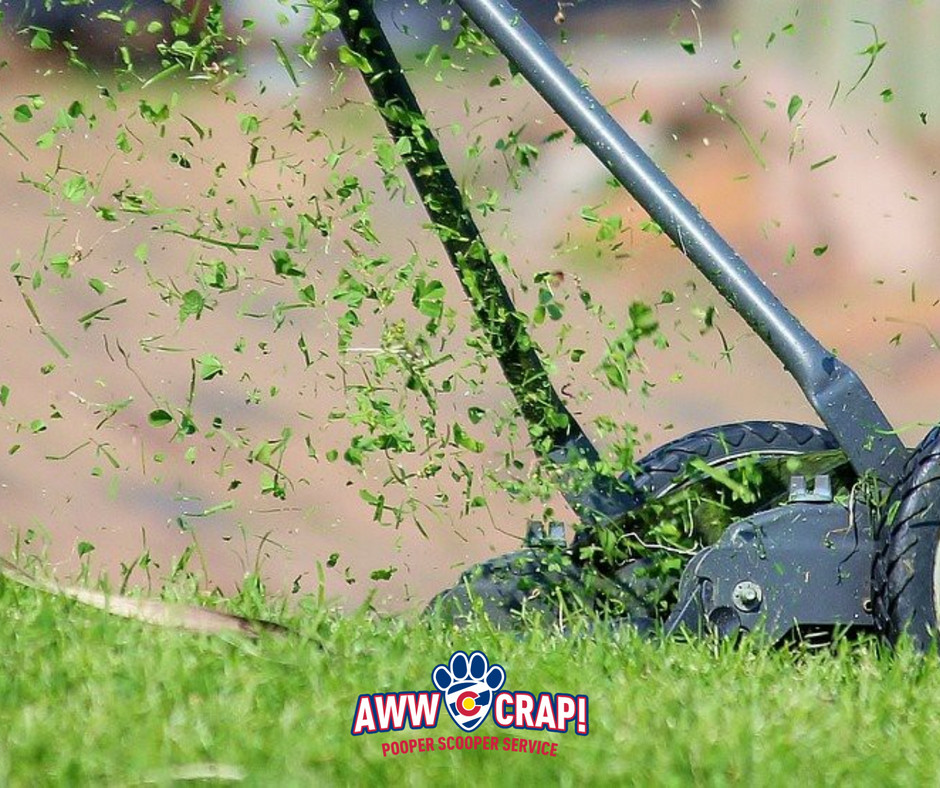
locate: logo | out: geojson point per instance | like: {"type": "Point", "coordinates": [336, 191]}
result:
{"type": "Point", "coordinates": [469, 685]}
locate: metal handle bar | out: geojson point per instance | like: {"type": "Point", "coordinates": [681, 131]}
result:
{"type": "Point", "coordinates": [835, 391]}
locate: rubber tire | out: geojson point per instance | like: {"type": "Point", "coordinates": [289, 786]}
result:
{"type": "Point", "coordinates": [507, 584]}
{"type": "Point", "coordinates": [659, 468]}
{"type": "Point", "coordinates": [903, 581]}
{"type": "Point", "coordinates": [537, 582]}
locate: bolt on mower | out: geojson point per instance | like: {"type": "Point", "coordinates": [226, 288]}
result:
{"type": "Point", "coordinates": [796, 529]}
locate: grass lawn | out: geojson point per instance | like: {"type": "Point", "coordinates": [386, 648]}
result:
{"type": "Point", "coordinates": [89, 699]}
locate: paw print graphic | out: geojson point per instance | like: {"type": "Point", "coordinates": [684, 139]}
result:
{"type": "Point", "coordinates": [469, 685]}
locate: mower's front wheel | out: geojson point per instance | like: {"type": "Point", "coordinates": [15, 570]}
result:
{"type": "Point", "coordinates": [664, 466]}
{"type": "Point", "coordinates": [546, 582]}
{"type": "Point", "coordinates": [906, 569]}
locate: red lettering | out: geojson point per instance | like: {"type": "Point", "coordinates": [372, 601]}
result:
{"type": "Point", "coordinates": [515, 744]}
{"type": "Point", "coordinates": [506, 743]}
{"type": "Point", "coordinates": [385, 749]}
{"type": "Point", "coordinates": [554, 752]}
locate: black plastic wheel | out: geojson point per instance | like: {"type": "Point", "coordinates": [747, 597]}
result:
{"type": "Point", "coordinates": [906, 569]}
{"type": "Point", "coordinates": [717, 445]}
{"type": "Point", "coordinates": [546, 581]}
{"type": "Point", "coordinates": [541, 585]}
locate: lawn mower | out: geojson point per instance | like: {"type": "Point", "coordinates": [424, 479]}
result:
{"type": "Point", "coordinates": [841, 527]}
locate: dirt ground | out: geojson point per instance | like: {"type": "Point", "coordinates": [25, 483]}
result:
{"type": "Point", "coordinates": [87, 474]}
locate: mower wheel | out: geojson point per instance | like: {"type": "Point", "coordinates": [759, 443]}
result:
{"type": "Point", "coordinates": [546, 582]}
{"type": "Point", "coordinates": [663, 467]}
{"type": "Point", "coordinates": [660, 471]}
{"type": "Point", "coordinates": [543, 586]}
{"type": "Point", "coordinates": [906, 569]}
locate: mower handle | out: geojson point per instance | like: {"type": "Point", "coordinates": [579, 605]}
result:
{"type": "Point", "coordinates": [835, 391]}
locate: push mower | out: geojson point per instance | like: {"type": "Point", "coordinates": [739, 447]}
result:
{"type": "Point", "coordinates": [841, 530]}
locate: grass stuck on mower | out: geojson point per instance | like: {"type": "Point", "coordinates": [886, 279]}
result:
{"type": "Point", "coordinates": [786, 528]}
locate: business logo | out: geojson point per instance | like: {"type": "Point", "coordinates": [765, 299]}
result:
{"type": "Point", "coordinates": [470, 687]}
{"type": "Point", "coordinates": [468, 684]}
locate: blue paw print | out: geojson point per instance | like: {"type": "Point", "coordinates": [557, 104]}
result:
{"type": "Point", "coordinates": [468, 684]}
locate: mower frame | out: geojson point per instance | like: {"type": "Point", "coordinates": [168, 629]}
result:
{"type": "Point", "coordinates": [835, 391]}
{"type": "Point", "coordinates": [771, 569]}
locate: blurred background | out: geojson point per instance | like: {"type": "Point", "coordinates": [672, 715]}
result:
{"type": "Point", "coordinates": [808, 133]}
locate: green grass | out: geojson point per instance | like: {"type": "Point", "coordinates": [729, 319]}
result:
{"type": "Point", "coordinates": [88, 699]}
